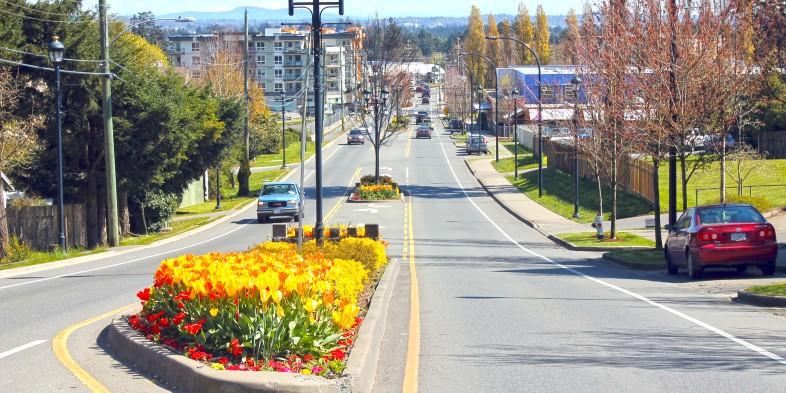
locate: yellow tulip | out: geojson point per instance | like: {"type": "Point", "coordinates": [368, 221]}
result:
{"type": "Point", "coordinates": [277, 295]}
{"type": "Point", "coordinates": [213, 312]}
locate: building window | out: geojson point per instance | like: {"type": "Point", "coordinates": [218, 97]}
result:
{"type": "Point", "coordinates": [196, 73]}
{"type": "Point", "coordinates": [278, 60]}
{"type": "Point", "coordinates": [261, 73]}
{"type": "Point", "coordinates": [547, 93]}
{"type": "Point", "coordinates": [194, 47]}
{"type": "Point", "coordinates": [570, 93]}
{"type": "Point", "coordinates": [278, 73]}
{"type": "Point", "coordinates": [278, 46]}
{"type": "Point", "coordinates": [195, 61]}
{"type": "Point", "coordinates": [278, 87]}
{"type": "Point", "coordinates": [260, 59]}
{"type": "Point", "coordinates": [298, 86]}
{"type": "Point", "coordinates": [260, 46]}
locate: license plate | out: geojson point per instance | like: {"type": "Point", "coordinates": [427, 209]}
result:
{"type": "Point", "coordinates": [738, 237]}
{"type": "Point", "coordinates": [276, 211]}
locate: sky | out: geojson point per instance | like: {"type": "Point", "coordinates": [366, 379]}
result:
{"type": "Point", "coordinates": [352, 7]}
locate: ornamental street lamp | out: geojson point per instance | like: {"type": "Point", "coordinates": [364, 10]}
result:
{"type": "Point", "coordinates": [515, 94]}
{"type": "Point", "coordinates": [56, 49]}
{"type": "Point", "coordinates": [283, 131]}
{"type": "Point", "coordinates": [540, 109]}
{"type": "Point", "coordinates": [576, 82]}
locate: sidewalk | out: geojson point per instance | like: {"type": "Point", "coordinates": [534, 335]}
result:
{"type": "Point", "coordinates": [550, 223]}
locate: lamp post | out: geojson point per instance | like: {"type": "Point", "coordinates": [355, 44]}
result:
{"type": "Point", "coordinates": [540, 109]}
{"type": "Point", "coordinates": [283, 132]}
{"type": "Point", "coordinates": [576, 82]}
{"type": "Point", "coordinates": [496, 99]}
{"type": "Point", "coordinates": [477, 119]}
{"type": "Point", "coordinates": [56, 49]}
{"type": "Point", "coordinates": [515, 94]}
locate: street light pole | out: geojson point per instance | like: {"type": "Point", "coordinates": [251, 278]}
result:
{"type": "Point", "coordinates": [316, 7]}
{"type": "Point", "coordinates": [496, 99]}
{"type": "Point", "coordinates": [515, 94]}
{"type": "Point", "coordinates": [576, 86]}
{"type": "Point", "coordinates": [540, 109]}
{"type": "Point", "coordinates": [56, 49]}
{"type": "Point", "coordinates": [283, 132]}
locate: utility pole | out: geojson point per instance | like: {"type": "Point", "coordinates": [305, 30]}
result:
{"type": "Point", "coordinates": [315, 6]}
{"type": "Point", "coordinates": [246, 135]}
{"type": "Point", "coordinates": [674, 116]}
{"type": "Point", "coordinates": [113, 234]}
{"type": "Point", "coordinates": [341, 70]}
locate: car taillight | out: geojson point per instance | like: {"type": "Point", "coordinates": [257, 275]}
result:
{"type": "Point", "coordinates": [707, 236]}
{"type": "Point", "coordinates": [767, 233]}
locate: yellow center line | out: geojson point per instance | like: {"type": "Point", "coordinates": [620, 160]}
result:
{"type": "Point", "coordinates": [335, 208]}
{"type": "Point", "coordinates": [413, 345]}
{"type": "Point", "coordinates": [60, 348]}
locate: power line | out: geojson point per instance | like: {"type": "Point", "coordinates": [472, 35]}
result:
{"type": "Point", "coordinates": [35, 9]}
{"type": "Point", "coordinates": [45, 56]}
{"type": "Point", "coordinates": [19, 64]}
{"type": "Point", "coordinates": [45, 20]}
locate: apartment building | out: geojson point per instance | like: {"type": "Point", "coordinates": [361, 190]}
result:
{"type": "Point", "coordinates": [278, 59]}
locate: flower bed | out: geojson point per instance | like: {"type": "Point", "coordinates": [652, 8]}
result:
{"type": "Point", "coordinates": [268, 308]}
{"type": "Point", "coordinates": [333, 232]}
{"type": "Point", "coordinates": [368, 190]}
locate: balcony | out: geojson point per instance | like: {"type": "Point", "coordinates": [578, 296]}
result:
{"type": "Point", "coordinates": [293, 64]}
{"type": "Point", "coordinates": [293, 50]}
{"type": "Point", "coordinates": [291, 77]}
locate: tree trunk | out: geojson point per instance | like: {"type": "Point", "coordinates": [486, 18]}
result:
{"type": "Point", "coordinates": [125, 217]}
{"type": "Point", "coordinates": [613, 215]}
{"type": "Point", "coordinates": [684, 182]}
{"type": "Point", "coordinates": [243, 178]}
{"type": "Point", "coordinates": [600, 195]}
{"type": "Point", "coordinates": [376, 161]}
{"type": "Point", "coordinates": [656, 188]}
{"type": "Point", "coordinates": [91, 199]}
{"type": "Point", "coordinates": [101, 217]}
{"type": "Point", "coordinates": [3, 223]}
{"type": "Point", "coordinates": [142, 217]}
{"type": "Point", "coordinates": [723, 170]}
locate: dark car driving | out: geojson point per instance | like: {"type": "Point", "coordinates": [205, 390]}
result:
{"type": "Point", "coordinates": [355, 135]}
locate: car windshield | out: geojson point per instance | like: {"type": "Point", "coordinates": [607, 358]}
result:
{"type": "Point", "coordinates": [355, 132]}
{"type": "Point", "coordinates": [278, 189]}
{"type": "Point", "coordinates": [727, 214]}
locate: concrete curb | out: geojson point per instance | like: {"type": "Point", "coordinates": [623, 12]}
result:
{"type": "Point", "coordinates": [624, 263]}
{"type": "Point", "coordinates": [754, 299]}
{"type": "Point", "coordinates": [550, 236]}
{"type": "Point", "coordinates": [189, 375]}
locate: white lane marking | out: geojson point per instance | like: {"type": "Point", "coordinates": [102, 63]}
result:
{"type": "Point", "coordinates": [21, 348]}
{"type": "Point", "coordinates": [407, 177]}
{"type": "Point", "coordinates": [136, 259]}
{"type": "Point", "coordinates": [680, 314]}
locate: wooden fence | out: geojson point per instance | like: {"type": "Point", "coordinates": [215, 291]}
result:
{"type": "Point", "coordinates": [636, 176]}
{"type": "Point", "coordinates": [37, 226]}
{"type": "Point", "coordinates": [773, 143]}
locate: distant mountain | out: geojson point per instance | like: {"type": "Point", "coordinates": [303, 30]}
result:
{"type": "Point", "coordinates": [259, 14]}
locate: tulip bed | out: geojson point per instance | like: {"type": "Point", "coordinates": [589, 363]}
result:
{"type": "Point", "coordinates": [268, 308]}
{"type": "Point", "coordinates": [369, 190]}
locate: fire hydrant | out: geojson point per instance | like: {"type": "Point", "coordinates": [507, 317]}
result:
{"type": "Point", "coordinates": [598, 225]}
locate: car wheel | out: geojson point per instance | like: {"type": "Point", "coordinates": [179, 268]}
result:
{"type": "Point", "coordinates": [742, 268]}
{"type": "Point", "coordinates": [768, 269]}
{"type": "Point", "coordinates": [694, 268]}
{"type": "Point", "coordinates": [296, 218]}
{"type": "Point", "coordinates": [670, 268]}
{"type": "Point", "coordinates": [261, 219]}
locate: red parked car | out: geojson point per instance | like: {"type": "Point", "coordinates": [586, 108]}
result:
{"type": "Point", "coordinates": [732, 235]}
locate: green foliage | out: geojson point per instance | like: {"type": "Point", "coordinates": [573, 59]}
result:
{"type": "Point", "coordinates": [639, 259]}
{"type": "Point", "coordinates": [590, 239]}
{"type": "Point", "coordinates": [160, 207]}
{"type": "Point", "coordinates": [16, 250]}
{"type": "Point", "coordinates": [761, 204]}
{"type": "Point", "coordinates": [778, 289]}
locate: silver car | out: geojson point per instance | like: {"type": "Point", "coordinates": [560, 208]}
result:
{"type": "Point", "coordinates": [278, 199]}
{"type": "Point", "coordinates": [477, 144]}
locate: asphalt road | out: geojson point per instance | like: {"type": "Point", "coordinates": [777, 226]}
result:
{"type": "Point", "coordinates": [501, 308]}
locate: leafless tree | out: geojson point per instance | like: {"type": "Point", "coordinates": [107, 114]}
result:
{"type": "Point", "coordinates": [387, 56]}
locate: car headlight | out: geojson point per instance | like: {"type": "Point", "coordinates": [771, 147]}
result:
{"type": "Point", "coordinates": [261, 204]}
{"type": "Point", "coordinates": [292, 201]}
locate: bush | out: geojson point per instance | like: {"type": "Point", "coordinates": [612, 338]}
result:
{"type": "Point", "coordinates": [160, 207]}
{"type": "Point", "coordinates": [369, 179]}
{"type": "Point", "coordinates": [17, 250]}
{"type": "Point", "coordinates": [761, 204]}
{"type": "Point", "coordinates": [369, 252]}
